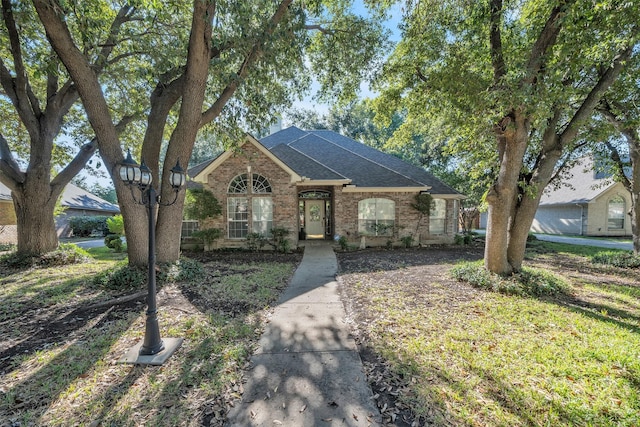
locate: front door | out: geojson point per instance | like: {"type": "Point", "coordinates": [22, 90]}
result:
{"type": "Point", "coordinates": [314, 219]}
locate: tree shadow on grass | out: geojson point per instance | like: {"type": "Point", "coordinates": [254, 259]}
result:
{"type": "Point", "coordinates": [32, 395]}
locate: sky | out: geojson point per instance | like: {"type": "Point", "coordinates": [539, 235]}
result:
{"type": "Point", "coordinates": [392, 23]}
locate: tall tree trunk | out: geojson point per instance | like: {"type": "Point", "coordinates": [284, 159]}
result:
{"type": "Point", "coordinates": [527, 207]}
{"type": "Point", "coordinates": [34, 215]}
{"type": "Point", "coordinates": [634, 149]}
{"type": "Point", "coordinates": [512, 137]}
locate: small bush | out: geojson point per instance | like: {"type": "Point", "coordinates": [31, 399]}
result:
{"type": "Point", "coordinates": [280, 241]}
{"type": "Point", "coordinates": [407, 241]}
{"type": "Point", "coordinates": [208, 235]}
{"type": "Point", "coordinates": [122, 278]}
{"type": "Point", "coordinates": [113, 241]}
{"type": "Point", "coordinates": [185, 269]}
{"type": "Point", "coordinates": [7, 247]}
{"type": "Point", "coordinates": [463, 239]}
{"type": "Point", "coordinates": [115, 224]}
{"type": "Point", "coordinates": [84, 226]}
{"type": "Point", "coordinates": [67, 253]}
{"type": "Point", "coordinates": [617, 259]}
{"type": "Point", "coordinates": [529, 282]}
{"type": "Point", "coordinates": [344, 243]}
{"type": "Point", "coordinates": [255, 241]}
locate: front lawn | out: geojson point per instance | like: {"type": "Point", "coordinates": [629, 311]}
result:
{"type": "Point", "coordinates": [458, 355]}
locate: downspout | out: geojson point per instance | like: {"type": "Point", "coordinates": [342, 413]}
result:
{"type": "Point", "coordinates": [581, 218]}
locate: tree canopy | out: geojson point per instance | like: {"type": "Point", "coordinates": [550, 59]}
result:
{"type": "Point", "coordinates": [511, 86]}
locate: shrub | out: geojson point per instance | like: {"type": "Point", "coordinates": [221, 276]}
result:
{"type": "Point", "coordinates": [7, 247]}
{"type": "Point", "coordinates": [280, 241]}
{"type": "Point", "coordinates": [122, 278]}
{"type": "Point", "coordinates": [84, 226]}
{"type": "Point", "coordinates": [208, 235]}
{"type": "Point", "coordinates": [463, 239]}
{"type": "Point", "coordinates": [113, 241]}
{"type": "Point", "coordinates": [65, 254]}
{"type": "Point", "coordinates": [617, 259]}
{"type": "Point", "coordinates": [185, 269]}
{"type": "Point", "coordinates": [115, 224]}
{"type": "Point", "coordinates": [529, 282]}
{"type": "Point", "coordinates": [255, 241]}
{"type": "Point", "coordinates": [407, 241]}
{"type": "Point", "coordinates": [343, 242]}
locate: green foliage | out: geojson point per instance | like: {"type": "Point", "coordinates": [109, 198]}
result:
{"type": "Point", "coordinates": [65, 254]}
{"type": "Point", "coordinates": [529, 282]}
{"type": "Point", "coordinates": [123, 277]}
{"type": "Point", "coordinates": [84, 226]}
{"type": "Point", "coordinates": [463, 239]}
{"type": "Point", "coordinates": [280, 242]}
{"type": "Point", "coordinates": [620, 259]}
{"type": "Point", "coordinates": [185, 269]}
{"type": "Point", "coordinates": [423, 202]}
{"type": "Point", "coordinates": [343, 242]}
{"type": "Point", "coordinates": [7, 247]}
{"type": "Point", "coordinates": [115, 224]}
{"type": "Point", "coordinates": [113, 241]}
{"type": "Point", "coordinates": [201, 204]}
{"type": "Point", "coordinates": [255, 241]}
{"type": "Point", "coordinates": [208, 235]}
{"type": "Point", "coordinates": [407, 241]}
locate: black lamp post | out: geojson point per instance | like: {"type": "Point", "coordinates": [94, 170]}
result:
{"type": "Point", "coordinates": [152, 350]}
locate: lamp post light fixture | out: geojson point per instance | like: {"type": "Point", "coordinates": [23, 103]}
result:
{"type": "Point", "coordinates": [153, 350]}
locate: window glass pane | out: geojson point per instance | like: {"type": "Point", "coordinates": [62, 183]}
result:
{"type": "Point", "coordinates": [616, 213]}
{"type": "Point", "coordinates": [376, 217]}
{"type": "Point", "coordinates": [237, 216]}
{"type": "Point", "coordinates": [262, 215]}
{"type": "Point", "coordinates": [238, 185]}
{"type": "Point", "coordinates": [261, 184]}
{"type": "Point", "coordinates": [437, 216]}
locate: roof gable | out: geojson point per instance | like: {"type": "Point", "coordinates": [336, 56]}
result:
{"type": "Point", "coordinates": [582, 186]}
{"type": "Point", "coordinates": [204, 169]}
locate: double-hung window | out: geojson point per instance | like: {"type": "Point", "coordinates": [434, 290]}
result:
{"type": "Point", "coordinates": [376, 217]}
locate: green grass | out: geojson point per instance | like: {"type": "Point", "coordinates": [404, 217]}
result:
{"type": "Point", "coordinates": [73, 379]}
{"type": "Point", "coordinates": [474, 357]}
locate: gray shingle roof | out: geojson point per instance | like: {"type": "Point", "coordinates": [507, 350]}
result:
{"type": "Point", "coordinates": [75, 198]}
{"type": "Point", "coordinates": [365, 166]}
{"type": "Point", "coordinates": [582, 186]}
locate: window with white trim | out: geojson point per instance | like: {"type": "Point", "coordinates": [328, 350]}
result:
{"type": "Point", "coordinates": [615, 213]}
{"type": "Point", "coordinates": [376, 217]}
{"type": "Point", "coordinates": [262, 215]}
{"type": "Point", "coordinates": [437, 216]}
{"type": "Point", "coordinates": [257, 209]}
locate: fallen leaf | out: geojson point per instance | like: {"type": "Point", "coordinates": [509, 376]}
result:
{"type": "Point", "coordinates": [332, 403]}
{"type": "Point", "coordinates": [277, 422]}
{"type": "Point", "coordinates": [303, 408]}
{"type": "Point", "coordinates": [355, 417]}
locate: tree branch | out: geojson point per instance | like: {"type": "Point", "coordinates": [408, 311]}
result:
{"type": "Point", "coordinates": [593, 98]}
{"type": "Point", "coordinates": [216, 108]}
{"type": "Point", "coordinates": [495, 40]}
{"type": "Point", "coordinates": [544, 42]}
{"type": "Point", "coordinates": [9, 168]}
{"type": "Point", "coordinates": [23, 99]}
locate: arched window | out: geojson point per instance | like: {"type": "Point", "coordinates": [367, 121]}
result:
{"type": "Point", "coordinates": [241, 209]}
{"type": "Point", "coordinates": [240, 184]}
{"type": "Point", "coordinates": [615, 215]}
{"type": "Point", "coordinates": [376, 217]}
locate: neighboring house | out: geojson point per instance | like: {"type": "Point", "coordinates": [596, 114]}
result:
{"type": "Point", "coordinates": [322, 185]}
{"type": "Point", "coordinates": [75, 200]}
{"type": "Point", "coordinates": [589, 203]}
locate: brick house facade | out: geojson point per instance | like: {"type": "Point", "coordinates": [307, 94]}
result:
{"type": "Point", "coordinates": [321, 185]}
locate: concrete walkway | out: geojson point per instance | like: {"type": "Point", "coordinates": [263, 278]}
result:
{"type": "Point", "coordinates": [307, 371]}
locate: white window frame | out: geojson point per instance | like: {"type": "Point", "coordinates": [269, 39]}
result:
{"type": "Point", "coordinates": [616, 215]}
{"type": "Point", "coordinates": [438, 217]}
{"type": "Point", "coordinates": [376, 217]}
{"type": "Point", "coordinates": [262, 215]}
{"type": "Point", "coordinates": [238, 221]}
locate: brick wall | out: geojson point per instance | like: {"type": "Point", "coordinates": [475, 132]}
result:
{"type": "Point", "coordinates": [284, 193]}
{"type": "Point", "coordinates": [346, 219]}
